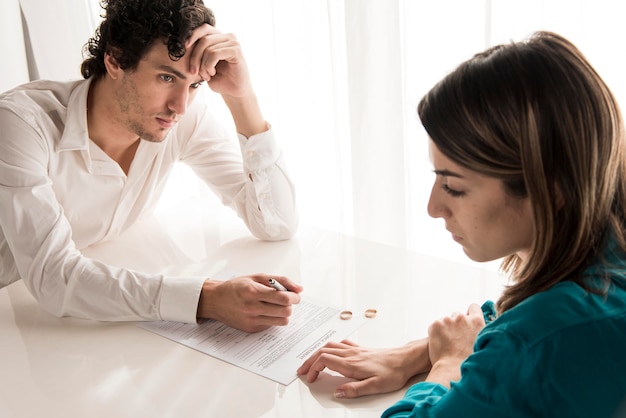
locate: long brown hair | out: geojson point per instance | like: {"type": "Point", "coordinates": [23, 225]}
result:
{"type": "Point", "coordinates": [537, 116]}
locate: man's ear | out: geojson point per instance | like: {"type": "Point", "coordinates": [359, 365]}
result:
{"type": "Point", "coordinates": [112, 65]}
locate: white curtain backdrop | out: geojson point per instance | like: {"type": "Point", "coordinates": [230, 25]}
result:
{"type": "Point", "coordinates": [340, 81]}
{"type": "Point", "coordinates": [14, 67]}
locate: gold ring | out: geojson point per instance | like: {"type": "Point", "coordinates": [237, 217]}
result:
{"type": "Point", "coordinates": [371, 313]}
{"type": "Point", "coordinates": [345, 315]}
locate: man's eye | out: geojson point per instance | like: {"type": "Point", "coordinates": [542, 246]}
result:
{"type": "Point", "coordinates": [167, 78]}
{"type": "Point", "coordinates": [196, 85]}
{"type": "Point", "coordinates": [452, 192]}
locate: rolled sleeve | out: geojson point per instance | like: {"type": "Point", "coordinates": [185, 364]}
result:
{"type": "Point", "coordinates": [250, 177]}
{"type": "Point", "coordinates": [274, 217]}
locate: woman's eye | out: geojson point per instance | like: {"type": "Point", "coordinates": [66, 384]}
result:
{"type": "Point", "coordinates": [452, 192]}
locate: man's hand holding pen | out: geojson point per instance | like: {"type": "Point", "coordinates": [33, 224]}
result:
{"type": "Point", "coordinates": [250, 303]}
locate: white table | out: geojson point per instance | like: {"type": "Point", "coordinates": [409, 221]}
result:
{"type": "Point", "coordinates": [67, 367]}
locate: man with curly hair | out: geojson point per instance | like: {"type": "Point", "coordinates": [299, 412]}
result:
{"type": "Point", "coordinates": [115, 137]}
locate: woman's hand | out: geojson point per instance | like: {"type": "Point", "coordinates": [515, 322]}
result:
{"type": "Point", "coordinates": [375, 370]}
{"type": "Point", "coordinates": [451, 341]}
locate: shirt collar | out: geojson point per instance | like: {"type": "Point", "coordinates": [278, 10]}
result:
{"type": "Point", "coordinates": [75, 133]}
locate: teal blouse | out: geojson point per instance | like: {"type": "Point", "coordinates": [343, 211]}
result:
{"type": "Point", "coordinates": [559, 353]}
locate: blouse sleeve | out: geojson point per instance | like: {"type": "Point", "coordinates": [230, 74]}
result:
{"type": "Point", "coordinates": [499, 379]}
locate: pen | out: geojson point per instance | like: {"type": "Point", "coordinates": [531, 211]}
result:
{"type": "Point", "coordinates": [276, 285]}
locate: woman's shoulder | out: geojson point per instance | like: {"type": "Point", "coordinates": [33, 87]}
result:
{"type": "Point", "coordinates": [565, 309]}
{"type": "Point", "coordinates": [567, 341]}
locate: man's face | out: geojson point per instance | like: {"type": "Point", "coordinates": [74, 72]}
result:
{"type": "Point", "coordinates": [153, 97]}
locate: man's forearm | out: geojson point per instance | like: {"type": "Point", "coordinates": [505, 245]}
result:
{"type": "Point", "coordinates": [246, 114]}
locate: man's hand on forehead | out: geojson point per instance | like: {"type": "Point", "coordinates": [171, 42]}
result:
{"type": "Point", "coordinates": [217, 58]}
{"type": "Point", "coordinates": [202, 46]}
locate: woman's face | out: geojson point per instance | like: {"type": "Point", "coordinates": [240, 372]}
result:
{"type": "Point", "coordinates": [481, 216]}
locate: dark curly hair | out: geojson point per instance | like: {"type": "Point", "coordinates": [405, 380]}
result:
{"type": "Point", "coordinates": [130, 27]}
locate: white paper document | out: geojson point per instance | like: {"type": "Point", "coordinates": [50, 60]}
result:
{"type": "Point", "coordinates": [275, 353]}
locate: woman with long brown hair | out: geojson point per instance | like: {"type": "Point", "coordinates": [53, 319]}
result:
{"type": "Point", "coordinates": [528, 148]}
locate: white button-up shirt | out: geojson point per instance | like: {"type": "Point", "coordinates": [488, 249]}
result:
{"type": "Point", "coordinates": [59, 193]}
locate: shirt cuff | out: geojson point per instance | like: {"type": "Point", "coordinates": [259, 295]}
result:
{"type": "Point", "coordinates": [259, 151]}
{"type": "Point", "coordinates": [179, 299]}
